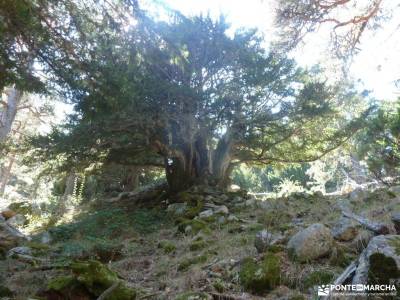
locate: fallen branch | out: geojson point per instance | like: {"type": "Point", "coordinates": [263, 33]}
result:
{"type": "Point", "coordinates": [347, 273]}
{"type": "Point", "coordinates": [378, 228]}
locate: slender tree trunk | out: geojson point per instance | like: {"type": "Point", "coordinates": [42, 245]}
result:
{"type": "Point", "coordinates": [5, 174]}
{"type": "Point", "coordinates": [7, 114]}
{"type": "Point", "coordinates": [68, 192]}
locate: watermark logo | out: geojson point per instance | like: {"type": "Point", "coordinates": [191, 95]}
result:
{"type": "Point", "coordinates": [324, 290]}
{"type": "Point", "coordinates": [356, 289]}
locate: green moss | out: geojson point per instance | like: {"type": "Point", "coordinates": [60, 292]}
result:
{"type": "Point", "coordinates": [185, 264]}
{"type": "Point", "coordinates": [192, 296]}
{"type": "Point", "coordinates": [382, 269]}
{"type": "Point", "coordinates": [317, 278]}
{"type": "Point", "coordinates": [96, 277]}
{"type": "Point", "coordinates": [167, 246]}
{"type": "Point", "coordinates": [198, 245]}
{"type": "Point", "coordinates": [276, 248]}
{"type": "Point", "coordinates": [196, 206]}
{"type": "Point", "coordinates": [60, 283]}
{"type": "Point", "coordinates": [260, 277]}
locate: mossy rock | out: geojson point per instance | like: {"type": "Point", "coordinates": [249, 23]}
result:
{"type": "Point", "coordinates": [96, 277]}
{"type": "Point", "coordinates": [260, 277]}
{"type": "Point", "coordinates": [167, 246]}
{"type": "Point", "coordinates": [64, 287]}
{"type": "Point", "coordinates": [193, 296]}
{"type": "Point", "coordinates": [185, 264]}
{"type": "Point", "coordinates": [318, 278]}
{"type": "Point", "coordinates": [382, 269]}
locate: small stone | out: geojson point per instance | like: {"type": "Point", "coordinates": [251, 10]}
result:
{"type": "Point", "coordinates": [250, 202]}
{"type": "Point", "coordinates": [177, 209]}
{"type": "Point", "coordinates": [206, 214]}
{"type": "Point", "coordinates": [345, 229]}
{"type": "Point", "coordinates": [233, 188]}
{"type": "Point", "coordinates": [188, 229]}
{"type": "Point", "coordinates": [311, 243]}
{"type": "Point", "coordinates": [221, 220]}
{"type": "Point", "coordinates": [221, 210]}
{"type": "Point", "coordinates": [233, 218]}
{"type": "Point", "coordinates": [45, 237]}
{"type": "Point", "coordinates": [358, 195]}
{"type": "Point", "coordinates": [264, 239]}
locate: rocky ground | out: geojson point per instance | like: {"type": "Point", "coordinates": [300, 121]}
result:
{"type": "Point", "coordinates": [205, 244]}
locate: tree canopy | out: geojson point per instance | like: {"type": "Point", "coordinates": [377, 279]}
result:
{"type": "Point", "coordinates": [182, 94]}
{"type": "Point", "coordinates": [346, 20]}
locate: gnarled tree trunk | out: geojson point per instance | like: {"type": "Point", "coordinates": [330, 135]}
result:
{"type": "Point", "coordinates": [196, 163]}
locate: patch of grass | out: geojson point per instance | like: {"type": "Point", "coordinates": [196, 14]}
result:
{"type": "Point", "coordinates": [167, 246]}
{"type": "Point", "coordinates": [318, 277]}
{"type": "Point", "coordinates": [198, 245]}
{"type": "Point", "coordinates": [185, 264]}
{"type": "Point", "coordinates": [110, 223]}
{"type": "Point", "coordinates": [219, 286]}
{"type": "Point", "coordinates": [339, 257]}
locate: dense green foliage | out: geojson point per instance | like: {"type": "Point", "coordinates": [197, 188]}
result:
{"type": "Point", "coordinates": [182, 94]}
{"type": "Point", "coordinates": [379, 144]}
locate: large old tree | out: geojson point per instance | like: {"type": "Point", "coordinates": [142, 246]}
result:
{"type": "Point", "coordinates": [184, 94]}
